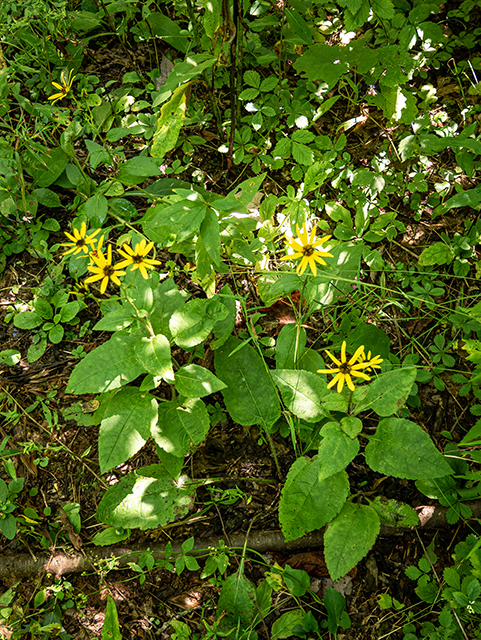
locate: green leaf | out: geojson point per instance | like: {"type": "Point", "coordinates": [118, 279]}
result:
{"type": "Point", "coordinates": [297, 580]}
{"type": "Point", "coordinates": [109, 366]}
{"type": "Point", "coordinates": [170, 122]}
{"type": "Point", "coordinates": [96, 208]}
{"type": "Point", "coordinates": [250, 396]}
{"type": "Point", "coordinates": [336, 451]}
{"type": "Point", "coordinates": [110, 628]}
{"type": "Point", "coordinates": [36, 350]}
{"type": "Point", "coordinates": [306, 502]}
{"type": "Point", "coordinates": [69, 311]}
{"type": "Point", "coordinates": [290, 346]}
{"type": "Point", "coordinates": [153, 353]}
{"type": "Point", "coordinates": [209, 232]}
{"type": "Point", "coordinates": [47, 198]}
{"type": "Point", "coordinates": [193, 381]}
{"type": "Point", "coordinates": [193, 322]}
{"type": "Point", "coordinates": [128, 419]}
{"type": "Point", "coordinates": [395, 514]}
{"type": "Point", "coordinates": [47, 167]}
{"type": "Point", "coordinates": [8, 526]}
{"type": "Point", "coordinates": [387, 393]}
{"type": "Point", "coordinates": [282, 628]}
{"type": "Point", "coordinates": [302, 392]}
{"type": "Point", "coordinates": [178, 428]}
{"type": "Point", "coordinates": [237, 603]}
{"type": "Point", "coordinates": [10, 357]}
{"type": "Point", "coordinates": [168, 31]}
{"type": "Point", "coordinates": [167, 299]}
{"type": "Point", "coordinates": [383, 8]}
{"type": "Point", "coordinates": [27, 320]}
{"type": "Point", "coordinates": [299, 26]}
{"type": "Point", "coordinates": [437, 253]}
{"type": "Point", "coordinates": [174, 223]}
{"type": "Point", "coordinates": [349, 537]}
{"type": "Point", "coordinates": [223, 328]}
{"type": "Point", "coordinates": [116, 320]}
{"type": "Point", "coordinates": [56, 333]}
{"type": "Point", "coordinates": [402, 449]}
{"type": "Point", "coordinates": [110, 536]}
{"type": "Point", "coordinates": [146, 498]}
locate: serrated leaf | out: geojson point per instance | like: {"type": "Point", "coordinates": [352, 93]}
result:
{"type": "Point", "coordinates": [387, 393]}
{"type": "Point", "coordinates": [250, 395]}
{"type": "Point", "coordinates": [128, 419]}
{"type": "Point", "coordinates": [27, 320]}
{"type": "Point", "coordinates": [180, 427]}
{"type": "Point", "coordinates": [153, 353]}
{"type": "Point", "coordinates": [236, 603]}
{"type": "Point", "coordinates": [109, 366]}
{"type": "Point", "coordinates": [307, 503]}
{"type": "Point", "coordinates": [402, 449]}
{"type": "Point", "coordinates": [349, 537]}
{"type": "Point", "coordinates": [302, 392]}
{"type": "Point", "coordinates": [395, 514]}
{"type": "Point", "coordinates": [193, 381]}
{"type": "Point", "coordinates": [192, 323]}
{"type": "Point", "coordinates": [437, 253]}
{"type": "Point", "coordinates": [147, 498]}
{"type": "Point", "coordinates": [336, 451]}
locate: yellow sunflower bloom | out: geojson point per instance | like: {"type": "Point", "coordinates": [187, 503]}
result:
{"type": "Point", "coordinates": [103, 268]}
{"type": "Point", "coordinates": [305, 247]}
{"type": "Point", "coordinates": [136, 257]}
{"type": "Point", "coordinates": [352, 367]}
{"type": "Point", "coordinates": [63, 88]}
{"type": "Point", "coordinates": [79, 240]}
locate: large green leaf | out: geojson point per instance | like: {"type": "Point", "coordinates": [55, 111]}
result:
{"type": "Point", "coordinates": [174, 223]}
{"type": "Point", "coordinates": [109, 366]}
{"type": "Point", "coordinates": [402, 449]}
{"type": "Point", "coordinates": [250, 396]}
{"type": "Point", "coordinates": [236, 603]}
{"type": "Point", "coordinates": [170, 122]}
{"type": "Point", "coordinates": [146, 498]}
{"type": "Point", "coordinates": [223, 328]}
{"type": "Point", "coordinates": [193, 381]}
{"type": "Point", "coordinates": [349, 537]}
{"type": "Point", "coordinates": [387, 393]}
{"type": "Point", "coordinates": [308, 503]}
{"type": "Point", "coordinates": [167, 299]}
{"type": "Point", "coordinates": [192, 323]}
{"type": "Point", "coordinates": [27, 320]}
{"type": "Point", "coordinates": [180, 427]}
{"type": "Point", "coordinates": [153, 353]}
{"type": "Point", "coordinates": [336, 451]}
{"type": "Point", "coordinates": [128, 419]}
{"type": "Point", "coordinates": [290, 345]}
{"type": "Point", "coordinates": [302, 392]}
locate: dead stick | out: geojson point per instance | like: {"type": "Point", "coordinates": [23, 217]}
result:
{"type": "Point", "coordinates": [60, 563]}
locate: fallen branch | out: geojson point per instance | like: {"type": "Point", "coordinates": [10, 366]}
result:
{"type": "Point", "coordinates": [60, 563]}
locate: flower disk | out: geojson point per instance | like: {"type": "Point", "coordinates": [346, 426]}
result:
{"type": "Point", "coordinates": [136, 257]}
{"type": "Point", "coordinates": [80, 240]}
{"type": "Point", "coordinates": [347, 368]}
{"type": "Point", "coordinates": [305, 247]}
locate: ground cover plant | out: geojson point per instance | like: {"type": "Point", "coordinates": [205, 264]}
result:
{"type": "Point", "coordinates": [239, 276]}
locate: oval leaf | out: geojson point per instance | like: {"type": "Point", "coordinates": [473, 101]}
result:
{"type": "Point", "coordinates": [302, 392]}
{"type": "Point", "coordinates": [180, 427]}
{"type": "Point", "coordinates": [402, 449]}
{"type": "Point", "coordinates": [250, 396]}
{"type": "Point", "coordinates": [193, 381]}
{"type": "Point", "coordinates": [306, 502]}
{"type": "Point", "coordinates": [193, 322]}
{"type": "Point", "coordinates": [349, 537]}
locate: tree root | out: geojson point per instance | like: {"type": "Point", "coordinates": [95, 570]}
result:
{"type": "Point", "coordinates": [60, 563]}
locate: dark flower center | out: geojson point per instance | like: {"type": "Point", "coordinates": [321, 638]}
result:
{"type": "Point", "coordinates": [137, 259]}
{"type": "Point", "coordinates": [80, 243]}
{"type": "Point", "coordinates": [109, 270]}
{"type": "Point", "coordinates": [345, 368]}
{"type": "Point", "coordinates": [308, 250]}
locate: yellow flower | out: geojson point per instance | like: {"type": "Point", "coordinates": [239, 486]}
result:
{"type": "Point", "coordinates": [63, 88]}
{"type": "Point", "coordinates": [136, 257]}
{"type": "Point", "coordinates": [305, 248]}
{"type": "Point", "coordinates": [103, 267]}
{"type": "Point", "coordinates": [347, 368]}
{"type": "Point", "coordinates": [80, 240]}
